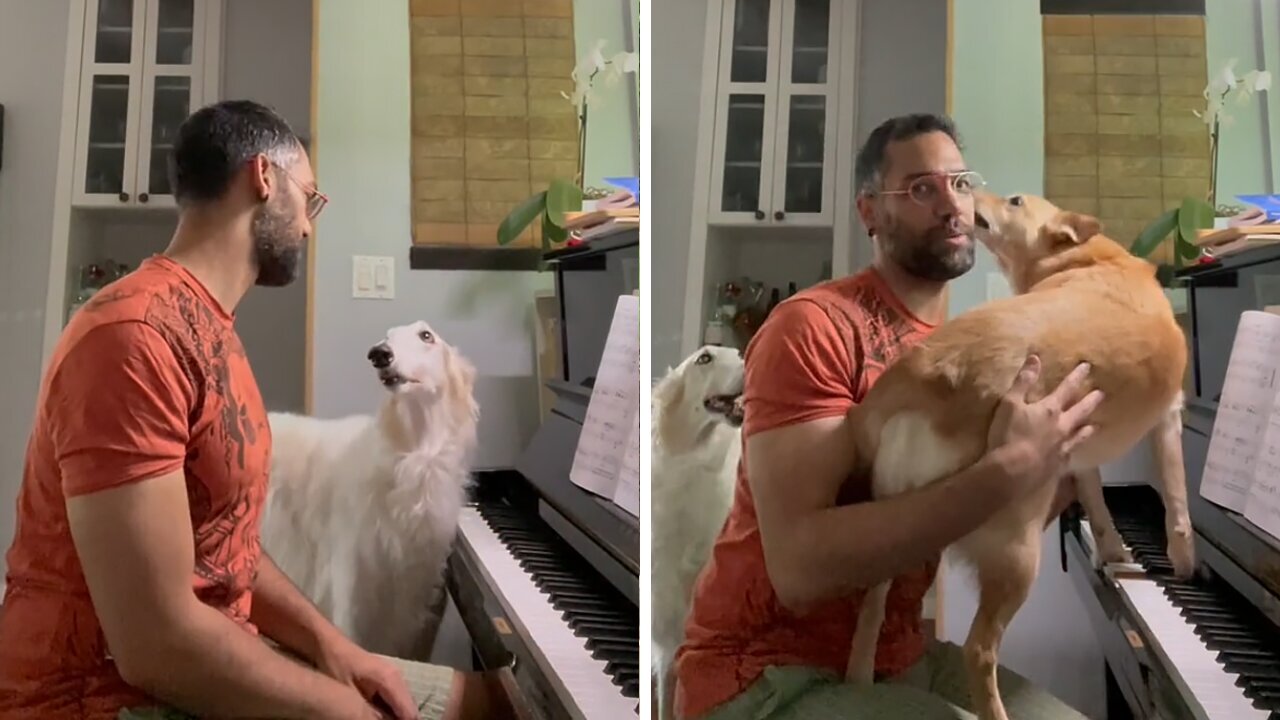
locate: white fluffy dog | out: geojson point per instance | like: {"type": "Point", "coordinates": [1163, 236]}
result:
{"type": "Point", "coordinates": [362, 511]}
{"type": "Point", "coordinates": [696, 444]}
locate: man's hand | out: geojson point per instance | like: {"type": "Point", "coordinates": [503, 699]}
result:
{"type": "Point", "coordinates": [375, 677]}
{"type": "Point", "coordinates": [1035, 439]}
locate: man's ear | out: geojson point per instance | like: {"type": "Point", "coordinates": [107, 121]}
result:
{"type": "Point", "coordinates": [1071, 228]}
{"type": "Point", "coordinates": [867, 212]}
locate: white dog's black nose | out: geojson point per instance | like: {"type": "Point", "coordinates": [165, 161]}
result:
{"type": "Point", "coordinates": [380, 355]}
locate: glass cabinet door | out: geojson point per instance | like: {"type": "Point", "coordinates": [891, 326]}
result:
{"type": "Point", "coordinates": [745, 113]}
{"type": "Point", "coordinates": [170, 86]}
{"type": "Point", "coordinates": [803, 177]}
{"type": "Point", "coordinates": [106, 152]}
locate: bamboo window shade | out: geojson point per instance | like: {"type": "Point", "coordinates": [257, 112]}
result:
{"type": "Point", "coordinates": [490, 127]}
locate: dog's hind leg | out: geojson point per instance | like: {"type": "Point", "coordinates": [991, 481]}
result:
{"type": "Point", "coordinates": [1167, 446]}
{"type": "Point", "coordinates": [1105, 536]}
{"type": "Point", "coordinates": [1004, 580]}
{"type": "Point", "coordinates": [862, 651]}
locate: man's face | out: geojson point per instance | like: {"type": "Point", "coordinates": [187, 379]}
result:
{"type": "Point", "coordinates": [920, 220]}
{"type": "Point", "coordinates": [280, 226]}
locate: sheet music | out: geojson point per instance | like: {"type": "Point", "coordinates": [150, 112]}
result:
{"type": "Point", "coordinates": [627, 496]}
{"type": "Point", "coordinates": [1263, 505]}
{"type": "Point", "coordinates": [614, 406]}
{"type": "Point", "coordinates": [1248, 396]}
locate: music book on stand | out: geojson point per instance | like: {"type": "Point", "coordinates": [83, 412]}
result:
{"type": "Point", "coordinates": [607, 459]}
{"type": "Point", "coordinates": [1242, 468]}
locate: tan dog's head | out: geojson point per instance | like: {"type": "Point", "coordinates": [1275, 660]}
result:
{"type": "Point", "coordinates": [413, 358]}
{"type": "Point", "coordinates": [1030, 236]}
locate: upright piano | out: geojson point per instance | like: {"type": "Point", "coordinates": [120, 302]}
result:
{"type": "Point", "coordinates": [1208, 648]}
{"type": "Point", "coordinates": [544, 574]}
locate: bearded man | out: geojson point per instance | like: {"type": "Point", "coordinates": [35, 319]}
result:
{"type": "Point", "coordinates": [769, 631]}
{"type": "Point", "coordinates": [136, 578]}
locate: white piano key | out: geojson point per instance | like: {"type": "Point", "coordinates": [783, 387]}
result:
{"type": "Point", "coordinates": [1204, 677]}
{"type": "Point", "coordinates": [580, 679]}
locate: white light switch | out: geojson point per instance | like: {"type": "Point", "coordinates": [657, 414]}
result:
{"type": "Point", "coordinates": [372, 277]}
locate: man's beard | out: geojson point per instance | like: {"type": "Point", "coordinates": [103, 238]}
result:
{"type": "Point", "coordinates": [930, 256]}
{"type": "Point", "coordinates": [277, 245]}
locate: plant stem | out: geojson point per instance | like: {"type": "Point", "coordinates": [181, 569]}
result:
{"type": "Point", "coordinates": [581, 178]}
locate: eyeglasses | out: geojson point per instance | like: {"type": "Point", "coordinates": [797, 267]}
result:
{"type": "Point", "coordinates": [926, 189]}
{"type": "Point", "coordinates": [316, 200]}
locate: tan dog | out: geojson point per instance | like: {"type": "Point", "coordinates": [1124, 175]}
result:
{"type": "Point", "coordinates": [1081, 297]}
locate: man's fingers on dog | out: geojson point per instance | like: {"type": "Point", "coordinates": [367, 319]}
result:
{"type": "Point", "coordinates": [1074, 441]}
{"type": "Point", "coordinates": [1079, 413]}
{"type": "Point", "coordinates": [1069, 387]}
{"type": "Point", "coordinates": [1025, 379]}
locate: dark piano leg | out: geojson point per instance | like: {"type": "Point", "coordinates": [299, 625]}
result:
{"type": "Point", "coordinates": [1117, 706]}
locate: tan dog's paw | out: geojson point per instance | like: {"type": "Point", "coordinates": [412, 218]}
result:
{"type": "Point", "coordinates": [860, 673]}
{"type": "Point", "coordinates": [1182, 553]}
{"type": "Point", "coordinates": [1111, 549]}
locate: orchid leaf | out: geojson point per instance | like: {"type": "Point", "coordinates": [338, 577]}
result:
{"type": "Point", "coordinates": [1154, 234]}
{"type": "Point", "coordinates": [521, 217]}
{"type": "Point", "coordinates": [562, 197]}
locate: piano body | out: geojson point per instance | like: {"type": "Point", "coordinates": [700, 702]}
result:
{"type": "Point", "coordinates": [1208, 648]}
{"type": "Point", "coordinates": [544, 574]}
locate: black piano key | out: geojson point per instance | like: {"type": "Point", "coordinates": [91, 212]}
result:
{"type": "Point", "coordinates": [631, 689]}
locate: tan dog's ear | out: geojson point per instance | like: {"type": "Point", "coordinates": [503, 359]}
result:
{"type": "Point", "coordinates": [1071, 228]}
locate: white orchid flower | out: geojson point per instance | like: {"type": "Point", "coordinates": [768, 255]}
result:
{"type": "Point", "coordinates": [1222, 81]}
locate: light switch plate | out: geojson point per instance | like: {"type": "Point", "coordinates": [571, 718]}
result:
{"type": "Point", "coordinates": [373, 277]}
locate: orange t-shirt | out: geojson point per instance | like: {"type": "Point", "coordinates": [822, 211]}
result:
{"type": "Point", "coordinates": [148, 378]}
{"type": "Point", "coordinates": [815, 357]}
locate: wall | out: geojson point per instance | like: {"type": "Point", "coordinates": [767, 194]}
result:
{"type": "Point", "coordinates": [613, 146]}
{"type": "Point", "coordinates": [32, 35]}
{"type": "Point", "coordinates": [1237, 29]}
{"type": "Point", "coordinates": [1002, 126]}
{"type": "Point", "coordinates": [677, 78]}
{"type": "Point", "coordinates": [267, 57]}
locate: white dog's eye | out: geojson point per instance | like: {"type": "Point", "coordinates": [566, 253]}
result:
{"type": "Point", "coordinates": [1016, 201]}
{"type": "Point", "coordinates": [426, 336]}
{"type": "Point", "coordinates": [703, 359]}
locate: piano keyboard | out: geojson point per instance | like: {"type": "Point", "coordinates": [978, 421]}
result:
{"type": "Point", "coordinates": [1228, 658]}
{"type": "Point", "coordinates": [1202, 670]}
{"type": "Point", "coordinates": [585, 636]}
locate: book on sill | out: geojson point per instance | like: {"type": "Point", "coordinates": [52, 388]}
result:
{"type": "Point", "coordinates": [606, 461]}
{"type": "Point", "coordinates": [1242, 468]}
{"type": "Point", "coordinates": [1228, 241]}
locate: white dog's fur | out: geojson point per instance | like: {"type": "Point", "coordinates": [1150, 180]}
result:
{"type": "Point", "coordinates": [362, 510]}
{"type": "Point", "coordinates": [696, 444]}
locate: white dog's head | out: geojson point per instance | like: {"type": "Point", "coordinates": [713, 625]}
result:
{"type": "Point", "coordinates": [413, 358]}
{"type": "Point", "coordinates": [704, 389]}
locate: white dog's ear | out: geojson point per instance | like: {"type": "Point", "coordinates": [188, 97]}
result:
{"type": "Point", "coordinates": [460, 376]}
{"type": "Point", "coordinates": [667, 396]}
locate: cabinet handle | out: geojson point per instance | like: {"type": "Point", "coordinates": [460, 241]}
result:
{"type": "Point", "coordinates": [124, 197]}
{"type": "Point", "coordinates": [779, 215]}
{"type": "Point", "coordinates": [759, 214]}
{"type": "Point", "coordinates": [142, 197]}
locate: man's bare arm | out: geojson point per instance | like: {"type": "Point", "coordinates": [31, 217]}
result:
{"type": "Point", "coordinates": [285, 615]}
{"type": "Point", "coordinates": [135, 544]}
{"type": "Point", "coordinates": [815, 551]}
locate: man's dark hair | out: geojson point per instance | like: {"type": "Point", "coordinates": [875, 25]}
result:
{"type": "Point", "coordinates": [216, 140]}
{"type": "Point", "coordinates": [870, 167]}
